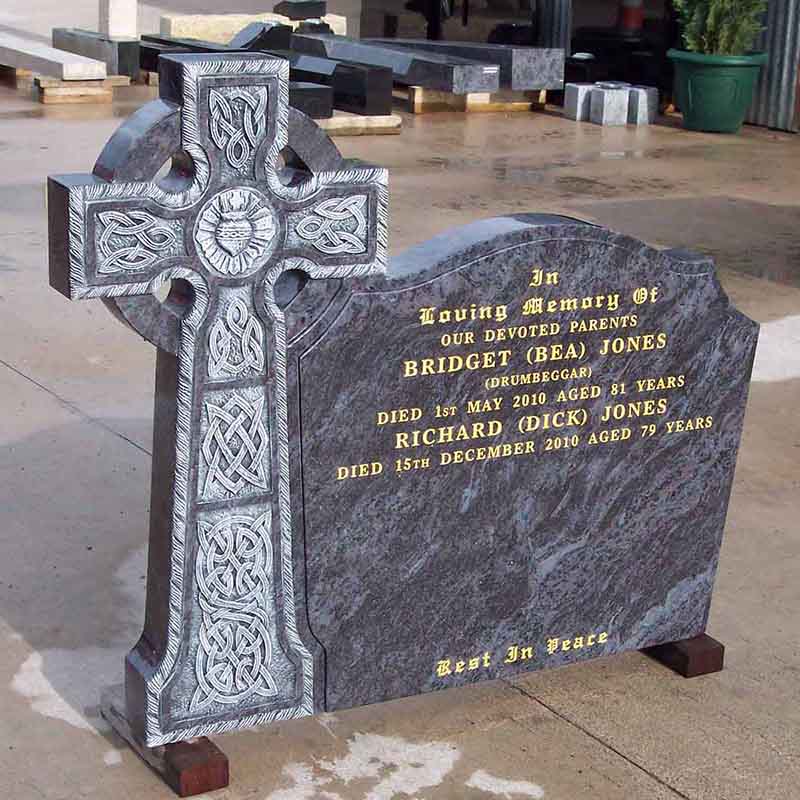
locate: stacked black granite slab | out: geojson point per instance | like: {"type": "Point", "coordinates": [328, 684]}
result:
{"type": "Point", "coordinates": [521, 68]}
{"type": "Point", "coordinates": [305, 94]}
{"type": "Point", "coordinates": [353, 87]}
{"type": "Point", "coordinates": [440, 71]}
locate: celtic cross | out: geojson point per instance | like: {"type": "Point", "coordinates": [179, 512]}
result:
{"type": "Point", "coordinates": [237, 233]}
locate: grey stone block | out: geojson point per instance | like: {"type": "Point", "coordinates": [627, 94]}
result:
{"type": "Point", "coordinates": [577, 101]}
{"type": "Point", "coordinates": [609, 106]}
{"type": "Point", "coordinates": [121, 56]}
{"type": "Point", "coordinates": [642, 105]}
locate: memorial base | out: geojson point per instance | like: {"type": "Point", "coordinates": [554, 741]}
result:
{"type": "Point", "coordinates": [700, 655]}
{"type": "Point", "coordinates": [188, 768]}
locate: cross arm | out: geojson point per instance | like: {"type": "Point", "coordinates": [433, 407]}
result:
{"type": "Point", "coordinates": [108, 239]}
{"type": "Point", "coordinates": [341, 226]}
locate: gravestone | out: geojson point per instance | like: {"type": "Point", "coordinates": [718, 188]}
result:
{"type": "Point", "coordinates": [513, 450]}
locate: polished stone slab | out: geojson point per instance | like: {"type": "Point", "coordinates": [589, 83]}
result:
{"type": "Point", "coordinates": [499, 477]}
{"type": "Point", "coordinates": [262, 36]}
{"type": "Point", "coordinates": [410, 67]}
{"type": "Point", "coordinates": [121, 56]}
{"type": "Point", "coordinates": [357, 88]}
{"type": "Point", "coordinates": [301, 9]}
{"type": "Point", "coordinates": [521, 68]}
{"type": "Point", "coordinates": [313, 99]}
{"type": "Point", "coordinates": [222, 27]}
{"type": "Point", "coordinates": [30, 54]}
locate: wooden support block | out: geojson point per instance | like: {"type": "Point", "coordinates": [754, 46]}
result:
{"type": "Point", "coordinates": [700, 655]}
{"type": "Point", "coordinates": [507, 101]}
{"type": "Point", "coordinates": [16, 78]}
{"type": "Point", "coordinates": [150, 78]}
{"type": "Point", "coordinates": [75, 95]}
{"type": "Point", "coordinates": [342, 123]}
{"type": "Point", "coordinates": [112, 81]}
{"type": "Point", "coordinates": [188, 768]}
{"type": "Point", "coordinates": [424, 101]}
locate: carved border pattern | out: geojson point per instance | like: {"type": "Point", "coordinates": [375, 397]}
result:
{"type": "Point", "coordinates": [233, 569]}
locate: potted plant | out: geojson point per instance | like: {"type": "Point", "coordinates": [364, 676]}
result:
{"type": "Point", "coordinates": [716, 75]}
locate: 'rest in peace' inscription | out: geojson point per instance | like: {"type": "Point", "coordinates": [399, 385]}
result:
{"type": "Point", "coordinates": [516, 452]}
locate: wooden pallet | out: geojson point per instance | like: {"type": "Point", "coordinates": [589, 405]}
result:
{"type": "Point", "coordinates": [54, 91]}
{"type": "Point", "coordinates": [423, 101]}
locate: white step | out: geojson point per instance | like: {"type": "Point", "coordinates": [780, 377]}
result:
{"type": "Point", "coordinates": [21, 53]}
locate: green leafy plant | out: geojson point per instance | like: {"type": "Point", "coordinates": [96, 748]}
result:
{"type": "Point", "coordinates": [720, 27]}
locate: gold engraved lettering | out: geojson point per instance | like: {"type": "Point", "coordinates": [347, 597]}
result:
{"type": "Point", "coordinates": [359, 471]}
{"type": "Point", "coordinates": [521, 332]}
{"type": "Point", "coordinates": [447, 434]}
{"type": "Point", "coordinates": [569, 418]}
{"type": "Point", "coordinates": [538, 305]}
{"type": "Point", "coordinates": [633, 344]}
{"type": "Point", "coordinates": [488, 453]}
{"type": "Point", "coordinates": [638, 408]}
{"type": "Point", "coordinates": [606, 435]}
{"type": "Point", "coordinates": [532, 378]}
{"type": "Point", "coordinates": [661, 383]}
{"type": "Point", "coordinates": [484, 406]}
{"type": "Point", "coordinates": [487, 359]}
{"type": "Point", "coordinates": [516, 653]}
{"type": "Point", "coordinates": [695, 424]}
{"type": "Point", "coordinates": [578, 393]}
{"type": "Point", "coordinates": [431, 315]}
{"type": "Point", "coordinates": [573, 351]}
{"type": "Point", "coordinates": [603, 324]}
{"type": "Point", "coordinates": [556, 644]}
{"type": "Point", "coordinates": [541, 278]}
{"type": "Point", "coordinates": [398, 415]}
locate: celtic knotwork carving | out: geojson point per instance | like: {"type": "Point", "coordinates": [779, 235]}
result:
{"type": "Point", "coordinates": [338, 225]}
{"type": "Point", "coordinates": [233, 572]}
{"type": "Point", "coordinates": [132, 241]}
{"type": "Point", "coordinates": [237, 121]}
{"type": "Point", "coordinates": [235, 343]}
{"type": "Point", "coordinates": [235, 446]}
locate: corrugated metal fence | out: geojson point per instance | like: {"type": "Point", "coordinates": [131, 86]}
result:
{"type": "Point", "coordinates": [775, 104]}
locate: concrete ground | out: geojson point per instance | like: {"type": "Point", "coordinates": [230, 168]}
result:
{"type": "Point", "coordinates": [75, 428]}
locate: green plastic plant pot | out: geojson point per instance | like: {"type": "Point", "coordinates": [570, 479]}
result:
{"type": "Point", "coordinates": [714, 92]}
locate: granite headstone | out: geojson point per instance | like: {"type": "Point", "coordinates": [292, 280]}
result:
{"type": "Point", "coordinates": [513, 450]}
